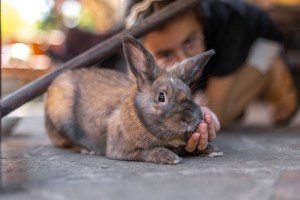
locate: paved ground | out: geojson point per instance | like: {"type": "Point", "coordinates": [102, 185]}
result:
{"type": "Point", "coordinates": [259, 163]}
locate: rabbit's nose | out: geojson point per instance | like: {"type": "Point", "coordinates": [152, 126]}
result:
{"type": "Point", "coordinates": [188, 116]}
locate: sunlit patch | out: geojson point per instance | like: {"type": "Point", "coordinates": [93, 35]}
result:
{"type": "Point", "coordinates": [71, 12]}
{"type": "Point", "coordinates": [32, 10]}
{"type": "Point", "coordinates": [20, 51]}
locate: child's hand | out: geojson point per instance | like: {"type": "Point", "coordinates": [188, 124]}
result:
{"type": "Point", "coordinates": [207, 132]}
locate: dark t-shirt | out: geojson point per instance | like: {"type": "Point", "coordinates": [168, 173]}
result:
{"type": "Point", "coordinates": [230, 28]}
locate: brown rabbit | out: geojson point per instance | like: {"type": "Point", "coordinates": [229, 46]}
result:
{"type": "Point", "coordinates": [104, 111]}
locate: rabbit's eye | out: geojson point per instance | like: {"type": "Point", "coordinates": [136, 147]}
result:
{"type": "Point", "coordinates": [161, 97]}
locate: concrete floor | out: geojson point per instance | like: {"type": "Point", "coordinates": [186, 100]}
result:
{"type": "Point", "coordinates": [260, 162]}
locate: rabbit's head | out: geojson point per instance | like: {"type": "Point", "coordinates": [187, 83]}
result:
{"type": "Point", "coordinates": [163, 99]}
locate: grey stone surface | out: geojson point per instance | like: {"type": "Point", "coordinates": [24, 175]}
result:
{"type": "Point", "coordinates": [259, 163]}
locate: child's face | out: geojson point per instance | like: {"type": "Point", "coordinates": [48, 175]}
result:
{"type": "Point", "coordinates": [179, 39]}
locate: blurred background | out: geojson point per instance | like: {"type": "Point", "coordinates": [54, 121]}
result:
{"type": "Point", "coordinates": [39, 35]}
{"type": "Point", "coordinates": [34, 34]}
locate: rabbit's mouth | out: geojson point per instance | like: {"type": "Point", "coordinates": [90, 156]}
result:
{"type": "Point", "coordinates": [190, 129]}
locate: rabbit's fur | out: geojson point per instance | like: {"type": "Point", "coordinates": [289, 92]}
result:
{"type": "Point", "coordinates": [149, 119]}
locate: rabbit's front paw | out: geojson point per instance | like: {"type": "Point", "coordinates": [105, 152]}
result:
{"type": "Point", "coordinates": [160, 155]}
{"type": "Point", "coordinates": [211, 151]}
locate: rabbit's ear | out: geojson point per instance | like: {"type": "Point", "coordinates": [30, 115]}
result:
{"type": "Point", "coordinates": [187, 69]}
{"type": "Point", "coordinates": [140, 61]}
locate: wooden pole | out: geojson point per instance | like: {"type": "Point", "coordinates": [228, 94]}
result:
{"type": "Point", "coordinates": [93, 55]}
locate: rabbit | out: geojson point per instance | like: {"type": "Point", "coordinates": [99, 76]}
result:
{"type": "Point", "coordinates": [147, 119]}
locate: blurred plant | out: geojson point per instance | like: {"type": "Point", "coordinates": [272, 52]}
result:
{"type": "Point", "coordinates": [19, 18]}
{"type": "Point", "coordinates": [14, 23]}
{"type": "Point", "coordinates": [97, 16]}
{"type": "Point", "coordinates": [100, 15]}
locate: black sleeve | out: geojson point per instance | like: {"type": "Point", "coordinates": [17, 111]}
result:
{"type": "Point", "coordinates": [230, 28]}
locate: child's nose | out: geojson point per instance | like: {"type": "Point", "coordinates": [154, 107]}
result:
{"type": "Point", "coordinates": [181, 56]}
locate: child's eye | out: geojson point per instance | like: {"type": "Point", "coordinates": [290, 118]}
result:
{"type": "Point", "coordinates": [166, 57]}
{"type": "Point", "coordinates": [167, 54]}
{"type": "Point", "coordinates": [161, 97]}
